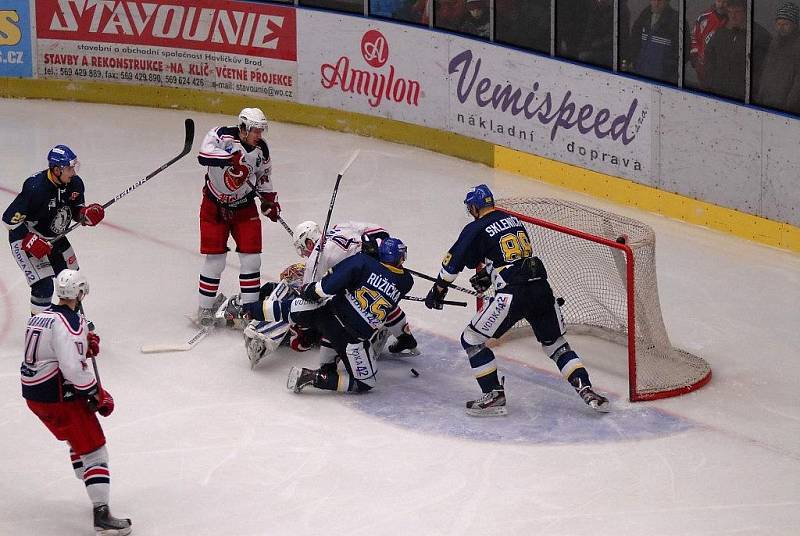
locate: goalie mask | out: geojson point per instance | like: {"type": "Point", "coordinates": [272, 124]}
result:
{"type": "Point", "coordinates": [293, 274]}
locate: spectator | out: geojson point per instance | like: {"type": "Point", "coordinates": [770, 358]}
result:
{"type": "Point", "coordinates": [414, 11]}
{"type": "Point", "coordinates": [653, 47]}
{"type": "Point", "coordinates": [449, 14]}
{"type": "Point", "coordinates": [597, 45]}
{"type": "Point", "coordinates": [702, 32]}
{"type": "Point", "coordinates": [476, 18]}
{"type": "Point", "coordinates": [780, 80]}
{"type": "Point", "coordinates": [524, 26]}
{"type": "Point", "coordinates": [726, 54]}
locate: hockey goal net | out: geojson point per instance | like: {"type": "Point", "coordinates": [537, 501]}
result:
{"type": "Point", "coordinates": [604, 266]}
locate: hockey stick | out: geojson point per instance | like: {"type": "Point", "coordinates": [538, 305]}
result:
{"type": "Point", "coordinates": [180, 347]}
{"type": "Point", "coordinates": [187, 146]}
{"type": "Point", "coordinates": [330, 208]}
{"type": "Point", "coordinates": [444, 302]}
{"type": "Point", "coordinates": [286, 226]}
{"type": "Point", "coordinates": [430, 278]}
{"type": "Point", "coordinates": [280, 220]}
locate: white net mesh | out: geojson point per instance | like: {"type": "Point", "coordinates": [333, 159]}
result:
{"type": "Point", "coordinates": [592, 278]}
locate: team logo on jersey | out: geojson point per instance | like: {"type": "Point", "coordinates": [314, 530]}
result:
{"type": "Point", "coordinates": [60, 220]}
{"type": "Point", "coordinates": [74, 195]}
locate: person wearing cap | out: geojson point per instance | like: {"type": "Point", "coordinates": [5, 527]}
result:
{"type": "Point", "coordinates": [36, 219]}
{"type": "Point", "coordinates": [780, 79]}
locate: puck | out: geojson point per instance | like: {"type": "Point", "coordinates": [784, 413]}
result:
{"type": "Point", "coordinates": [414, 372]}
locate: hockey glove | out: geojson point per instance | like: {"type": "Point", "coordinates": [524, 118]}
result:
{"type": "Point", "coordinates": [92, 344]}
{"type": "Point", "coordinates": [481, 281]}
{"type": "Point", "coordinates": [36, 245]}
{"type": "Point", "coordinates": [435, 297]}
{"type": "Point", "coordinates": [270, 206]}
{"type": "Point", "coordinates": [91, 215]}
{"type": "Point", "coordinates": [309, 293]}
{"type": "Point", "coordinates": [105, 403]}
{"type": "Point", "coordinates": [300, 338]}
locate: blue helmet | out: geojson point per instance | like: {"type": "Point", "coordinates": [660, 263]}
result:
{"type": "Point", "coordinates": [479, 197]}
{"type": "Point", "coordinates": [392, 251]}
{"type": "Point", "coordinates": [61, 156]}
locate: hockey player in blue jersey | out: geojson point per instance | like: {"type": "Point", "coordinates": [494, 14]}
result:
{"type": "Point", "coordinates": [49, 201]}
{"type": "Point", "coordinates": [498, 242]}
{"type": "Point", "coordinates": [349, 306]}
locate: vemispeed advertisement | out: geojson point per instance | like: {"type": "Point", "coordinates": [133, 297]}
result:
{"type": "Point", "coordinates": [230, 47]}
{"type": "Point", "coordinates": [557, 110]}
{"type": "Point", "coordinates": [375, 68]}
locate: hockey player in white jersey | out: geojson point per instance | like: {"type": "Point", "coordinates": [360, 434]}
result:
{"type": "Point", "coordinates": [61, 389]}
{"type": "Point", "coordinates": [239, 170]}
{"type": "Point", "coordinates": [342, 241]}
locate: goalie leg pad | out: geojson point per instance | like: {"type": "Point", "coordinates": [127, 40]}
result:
{"type": "Point", "coordinates": [263, 338]}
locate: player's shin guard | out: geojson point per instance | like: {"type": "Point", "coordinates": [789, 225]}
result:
{"type": "Point", "coordinates": [567, 361]}
{"type": "Point", "coordinates": [481, 359]}
{"type": "Point", "coordinates": [41, 295]}
{"type": "Point", "coordinates": [77, 464]}
{"type": "Point", "coordinates": [250, 276]}
{"type": "Point", "coordinates": [210, 275]}
{"type": "Point", "coordinates": [96, 476]}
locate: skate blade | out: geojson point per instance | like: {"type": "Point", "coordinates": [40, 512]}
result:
{"type": "Point", "coordinates": [400, 355]}
{"type": "Point", "coordinates": [490, 412]}
{"type": "Point", "coordinates": [603, 407]}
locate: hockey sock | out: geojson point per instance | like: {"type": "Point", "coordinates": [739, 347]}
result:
{"type": "Point", "coordinates": [250, 276]}
{"type": "Point", "coordinates": [572, 368]}
{"type": "Point", "coordinates": [210, 275]}
{"type": "Point", "coordinates": [96, 476]}
{"type": "Point", "coordinates": [77, 464]}
{"type": "Point", "coordinates": [484, 368]}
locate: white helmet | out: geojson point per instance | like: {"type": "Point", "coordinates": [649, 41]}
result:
{"type": "Point", "coordinates": [250, 118]}
{"type": "Point", "coordinates": [71, 285]}
{"type": "Point", "coordinates": [307, 230]}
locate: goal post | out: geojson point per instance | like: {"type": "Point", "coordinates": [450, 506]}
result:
{"type": "Point", "coordinates": [604, 266]}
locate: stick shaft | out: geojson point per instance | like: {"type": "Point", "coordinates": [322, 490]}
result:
{"type": "Point", "coordinates": [431, 278]}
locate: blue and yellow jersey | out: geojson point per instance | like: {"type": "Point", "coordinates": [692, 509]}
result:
{"type": "Point", "coordinates": [366, 292]}
{"type": "Point", "coordinates": [497, 240]}
{"type": "Point", "coordinates": [43, 207]}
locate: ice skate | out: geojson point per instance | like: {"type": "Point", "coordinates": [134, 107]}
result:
{"type": "Point", "coordinates": [491, 404]}
{"type": "Point", "coordinates": [299, 378]}
{"type": "Point", "coordinates": [206, 316]}
{"type": "Point", "coordinates": [404, 346]}
{"type": "Point", "coordinates": [107, 525]}
{"type": "Point", "coordinates": [593, 400]}
{"type": "Point", "coordinates": [232, 312]}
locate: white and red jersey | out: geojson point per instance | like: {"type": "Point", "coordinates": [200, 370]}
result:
{"type": "Point", "coordinates": [218, 145]}
{"type": "Point", "coordinates": [54, 368]}
{"type": "Point", "coordinates": [343, 241]}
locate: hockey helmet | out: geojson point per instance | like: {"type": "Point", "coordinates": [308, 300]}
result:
{"type": "Point", "coordinates": [250, 118]}
{"type": "Point", "coordinates": [479, 197]}
{"type": "Point", "coordinates": [71, 285]}
{"type": "Point", "coordinates": [392, 251]}
{"type": "Point", "coordinates": [62, 156]}
{"type": "Point", "coordinates": [307, 230]}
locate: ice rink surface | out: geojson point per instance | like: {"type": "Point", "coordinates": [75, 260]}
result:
{"type": "Point", "coordinates": [202, 445]}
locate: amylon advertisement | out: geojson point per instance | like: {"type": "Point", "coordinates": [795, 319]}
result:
{"type": "Point", "coordinates": [357, 65]}
{"type": "Point", "coordinates": [15, 39]}
{"type": "Point", "coordinates": [553, 109]}
{"type": "Point", "coordinates": [231, 47]}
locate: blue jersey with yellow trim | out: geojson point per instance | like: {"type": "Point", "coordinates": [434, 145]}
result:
{"type": "Point", "coordinates": [366, 292]}
{"type": "Point", "coordinates": [497, 239]}
{"type": "Point", "coordinates": [43, 207]}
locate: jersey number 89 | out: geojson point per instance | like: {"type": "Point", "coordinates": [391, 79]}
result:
{"type": "Point", "coordinates": [515, 246]}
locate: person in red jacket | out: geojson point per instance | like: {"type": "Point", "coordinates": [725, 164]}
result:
{"type": "Point", "coordinates": [703, 30]}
